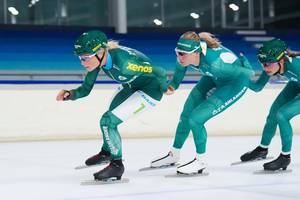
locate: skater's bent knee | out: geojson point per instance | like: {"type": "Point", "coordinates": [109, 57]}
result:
{"type": "Point", "coordinates": [193, 122]}
{"type": "Point", "coordinates": [281, 116]}
{"type": "Point", "coordinates": [109, 119]}
{"type": "Point", "coordinates": [183, 118]}
{"type": "Point", "coordinates": [271, 118]}
{"type": "Point", "coordinates": [196, 120]}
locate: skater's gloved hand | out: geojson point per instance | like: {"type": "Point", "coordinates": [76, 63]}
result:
{"type": "Point", "coordinates": [63, 95]}
{"type": "Point", "coordinates": [170, 90]}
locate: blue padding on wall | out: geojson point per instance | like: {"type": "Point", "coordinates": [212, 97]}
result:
{"type": "Point", "coordinates": [53, 50]}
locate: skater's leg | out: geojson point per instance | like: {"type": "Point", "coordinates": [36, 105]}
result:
{"type": "Point", "coordinates": [269, 130]}
{"type": "Point", "coordinates": [220, 100]}
{"type": "Point", "coordinates": [223, 97]}
{"type": "Point", "coordinates": [196, 97]}
{"type": "Point", "coordinates": [197, 119]}
{"type": "Point", "coordinates": [122, 93]}
{"type": "Point", "coordinates": [286, 95]}
{"type": "Point", "coordinates": [283, 116]}
{"type": "Point", "coordinates": [111, 136]}
{"type": "Point", "coordinates": [104, 156]}
{"type": "Point", "coordinates": [135, 104]}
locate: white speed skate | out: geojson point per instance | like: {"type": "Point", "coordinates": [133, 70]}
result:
{"type": "Point", "coordinates": [190, 169]}
{"type": "Point", "coordinates": [167, 161]}
{"type": "Point", "coordinates": [170, 159]}
{"type": "Point", "coordinates": [195, 166]}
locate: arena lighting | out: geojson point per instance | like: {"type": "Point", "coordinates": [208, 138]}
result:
{"type": "Point", "coordinates": [234, 7]}
{"type": "Point", "coordinates": [245, 1]}
{"type": "Point", "coordinates": [33, 2]}
{"type": "Point", "coordinates": [13, 10]}
{"type": "Point", "coordinates": [194, 15]}
{"type": "Point", "coordinates": [157, 22]}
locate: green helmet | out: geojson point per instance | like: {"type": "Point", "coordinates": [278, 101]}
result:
{"type": "Point", "coordinates": [90, 42]}
{"type": "Point", "coordinates": [272, 51]}
{"type": "Point", "coordinates": [187, 46]}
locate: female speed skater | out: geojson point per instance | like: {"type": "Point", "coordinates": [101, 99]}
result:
{"type": "Point", "coordinates": [142, 87]}
{"type": "Point", "coordinates": [225, 79]}
{"type": "Point", "coordinates": [276, 59]}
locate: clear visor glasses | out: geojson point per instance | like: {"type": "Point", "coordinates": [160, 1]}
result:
{"type": "Point", "coordinates": [270, 64]}
{"type": "Point", "coordinates": [184, 53]}
{"type": "Point", "coordinates": [86, 57]}
{"type": "Point", "coordinates": [179, 53]}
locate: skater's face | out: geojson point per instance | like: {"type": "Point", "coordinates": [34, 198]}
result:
{"type": "Point", "coordinates": [90, 61]}
{"type": "Point", "coordinates": [186, 59]}
{"type": "Point", "coordinates": [271, 68]}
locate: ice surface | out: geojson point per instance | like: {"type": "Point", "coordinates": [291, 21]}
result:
{"type": "Point", "coordinates": [45, 171]}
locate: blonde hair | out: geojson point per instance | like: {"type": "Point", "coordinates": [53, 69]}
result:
{"type": "Point", "coordinates": [210, 39]}
{"type": "Point", "coordinates": [190, 35]}
{"type": "Point", "coordinates": [113, 44]}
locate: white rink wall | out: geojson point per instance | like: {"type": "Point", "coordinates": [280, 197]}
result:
{"type": "Point", "coordinates": [30, 112]}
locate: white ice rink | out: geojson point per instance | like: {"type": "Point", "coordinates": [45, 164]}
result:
{"type": "Point", "coordinates": [45, 171]}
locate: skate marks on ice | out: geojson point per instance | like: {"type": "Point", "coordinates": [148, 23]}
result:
{"type": "Point", "coordinates": [251, 161]}
{"type": "Point", "coordinates": [156, 168]}
{"type": "Point", "coordinates": [104, 182]}
{"type": "Point", "coordinates": [280, 171]}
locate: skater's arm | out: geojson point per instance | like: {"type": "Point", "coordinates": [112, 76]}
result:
{"type": "Point", "coordinates": [244, 61]}
{"type": "Point", "coordinates": [86, 86]}
{"type": "Point", "coordinates": [82, 90]}
{"type": "Point", "coordinates": [259, 84]}
{"type": "Point", "coordinates": [178, 76]}
{"type": "Point", "coordinates": [247, 67]}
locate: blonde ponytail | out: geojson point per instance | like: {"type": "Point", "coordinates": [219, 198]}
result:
{"type": "Point", "coordinates": [113, 44]}
{"type": "Point", "coordinates": [210, 39]}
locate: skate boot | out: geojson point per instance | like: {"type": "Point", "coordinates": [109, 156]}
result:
{"type": "Point", "coordinates": [279, 163]}
{"type": "Point", "coordinates": [168, 160]}
{"type": "Point", "coordinates": [114, 170]}
{"type": "Point", "coordinates": [195, 166]}
{"type": "Point", "coordinates": [102, 157]}
{"type": "Point", "coordinates": [258, 153]}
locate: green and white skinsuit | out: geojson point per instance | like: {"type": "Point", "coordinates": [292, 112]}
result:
{"type": "Point", "coordinates": [225, 78]}
{"type": "Point", "coordinates": [285, 106]}
{"type": "Point", "coordinates": [142, 88]}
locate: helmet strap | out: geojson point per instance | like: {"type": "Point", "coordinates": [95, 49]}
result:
{"type": "Point", "coordinates": [281, 68]}
{"type": "Point", "coordinates": [100, 59]}
{"type": "Point", "coordinates": [278, 72]}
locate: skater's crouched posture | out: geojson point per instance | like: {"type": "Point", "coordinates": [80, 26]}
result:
{"type": "Point", "coordinates": [276, 60]}
{"type": "Point", "coordinates": [225, 78]}
{"type": "Point", "coordinates": [142, 88]}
